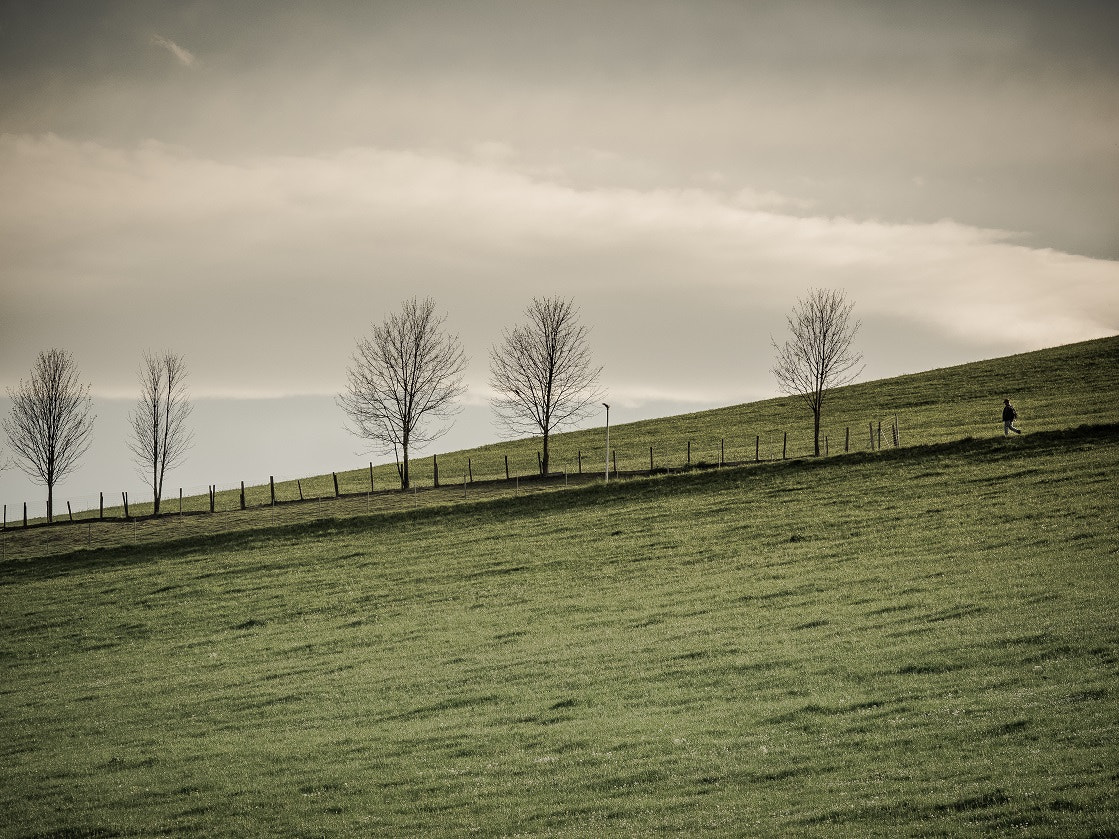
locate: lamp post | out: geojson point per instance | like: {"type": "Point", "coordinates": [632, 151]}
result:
{"type": "Point", "coordinates": [607, 407]}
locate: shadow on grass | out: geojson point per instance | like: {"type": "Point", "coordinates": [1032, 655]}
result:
{"type": "Point", "coordinates": [629, 487]}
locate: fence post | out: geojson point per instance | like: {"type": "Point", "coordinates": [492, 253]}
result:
{"type": "Point", "coordinates": [180, 502]}
{"type": "Point", "coordinates": [272, 488]}
{"type": "Point", "coordinates": [25, 514]}
{"type": "Point", "coordinates": [435, 469]}
{"type": "Point", "coordinates": [69, 511]}
{"type": "Point", "coordinates": [470, 470]}
{"type": "Point", "coordinates": [213, 496]}
{"type": "Point", "coordinates": [124, 498]}
{"type": "Point", "coordinates": [879, 435]}
{"type": "Point", "coordinates": [872, 436]}
{"type": "Point", "coordinates": [785, 445]}
{"type": "Point", "coordinates": [615, 451]}
{"type": "Point", "coordinates": [847, 441]}
{"type": "Point", "coordinates": [825, 445]}
{"type": "Point", "coordinates": [897, 433]}
{"type": "Point", "coordinates": [539, 464]}
{"type": "Point", "coordinates": [242, 495]}
{"type": "Point", "coordinates": [371, 487]}
{"type": "Point", "coordinates": [335, 475]}
{"type": "Point", "coordinates": [299, 486]}
{"type": "Point", "coordinates": [506, 467]}
{"type": "Point", "coordinates": [101, 506]}
{"type": "Point", "coordinates": [757, 448]}
{"type": "Point", "coordinates": [579, 457]}
{"type": "Point", "coordinates": [722, 451]}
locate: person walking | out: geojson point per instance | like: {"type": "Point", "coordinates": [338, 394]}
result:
{"type": "Point", "coordinates": [1008, 417]}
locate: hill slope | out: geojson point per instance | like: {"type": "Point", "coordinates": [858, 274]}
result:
{"type": "Point", "coordinates": [917, 642]}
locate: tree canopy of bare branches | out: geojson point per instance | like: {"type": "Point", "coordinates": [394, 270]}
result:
{"type": "Point", "coordinates": [405, 373]}
{"type": "Point", "coordinates": [160, 437]}
{"type": "Point", "coordinates": [543, 373]}
{"type": "Point", "coordinates": [51, 421]}
{"type": "Point", "coordinates": [819, 355]}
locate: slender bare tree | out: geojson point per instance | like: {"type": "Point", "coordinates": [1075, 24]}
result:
{"type": "Point", "coordinates": [819, 355]}
{"type": "Point", "coordinates": [160, 437]}
{"type": "Point", "coordinates": [406, 372]}
{"type": "Point", "coordinates": [51, 421]}
{"type": "Point", "coordinates": [543, 373]}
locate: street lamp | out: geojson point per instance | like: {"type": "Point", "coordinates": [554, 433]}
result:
{"type": "Point", "coordinates": [607, 407]}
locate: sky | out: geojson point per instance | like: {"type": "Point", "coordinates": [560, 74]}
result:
{"type": "Point", "coordinates": [254, 184]}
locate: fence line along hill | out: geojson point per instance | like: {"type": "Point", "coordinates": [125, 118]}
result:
{"type": "Point", "coordinates": [1053, 389]}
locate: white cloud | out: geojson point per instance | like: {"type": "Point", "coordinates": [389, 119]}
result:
{"type": "Point", "coordinates": [264, 270]}
{"type": "Point", "coordinates": [184, 56]}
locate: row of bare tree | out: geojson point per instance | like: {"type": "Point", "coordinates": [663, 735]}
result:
{"type": "Point", "coordinates": [50, 425]}
{"type": "Point", "coordinates": [403, 382]}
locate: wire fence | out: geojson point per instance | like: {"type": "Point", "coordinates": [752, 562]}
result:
{"type": "Point", "coordinates": [99, 521]}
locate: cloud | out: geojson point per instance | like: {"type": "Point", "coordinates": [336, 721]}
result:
{"type": "Point", "coordinates": [184, 56]}
{"type": "Point", "coordinates": [264, 270]}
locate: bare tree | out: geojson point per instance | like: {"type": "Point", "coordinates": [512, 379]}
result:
{"type": "Point", "coordinates": [406, 372]}
{"type": "Point", "coordinates": [819, 354]}
{"type": "Point", "coordinates": [543, 372]}
{"type": "Point", "coordinates": [160, 437]}
{"type": "Point", "coordinates": [51, 421]}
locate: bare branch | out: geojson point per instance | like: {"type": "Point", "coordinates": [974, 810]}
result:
{"type": "Point", "coordinates": [543, 372]}
{"type": "Point", "coordinates": [51, 421]}
{"type": "Point", "coordinates": [160, 437]}
{"type": "Point", "coordinates": [820, 353]}
{"type": "Point", "coordinates": [404, 374]}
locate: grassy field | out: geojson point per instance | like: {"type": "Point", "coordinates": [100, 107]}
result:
{"type": "Point", "coordinates": [921, 641]}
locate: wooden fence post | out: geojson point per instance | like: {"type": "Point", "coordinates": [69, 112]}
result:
{"type": "Point", "coordinates": [69, 511]}
{"type": "Point", "coordinates": [272, 488]}
{"type": "Point", "coordinates": [785, 445]}
{"type": "Point", "coordinates": [506, 467]}
{"type": "Point", "coordinates": [825, 445]}
{"type": "Point", "coordinates": [213, 494]}
{"type": "Point", "coordinates": [242, 495]}
{"type": "Point", "coordinates": [124, 498]}
{"type": "Point", "coordinates": [101, 506]}
{"type": "Point", "coordinates": [371, 487]}
{"type": "Point", "coordinates": [180, 502]}
{"type": "Point", "coordinates": [335, 476]}
{"type": "Point", "coordinates": [470, 470]}
{"type": "Point", "coordinates": [299, 486]}
{"type": "Point", "coordinates": [897, 433]}
{"type": "Point", "coordinates": [615, 463]}
{"type": "Point", "coordinates": [722, 451]}
{"type": "Point", "coordinates": [435, 469]}
{"type": "Point", "coordinates": [847, 441]}
{"type": "Point", "coordinates": [25, 514]}
{"type": "Point", "coordinates": [880, 435]}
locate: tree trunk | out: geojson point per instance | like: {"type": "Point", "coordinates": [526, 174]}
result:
{"type": "Point", "coordinates": [50, 503]}
{"type": "Point", "coordinates": [405, 482]}
{"type": "Point", "coordinates": [816, 433]}
{"type": "Point", "coordinates": [544, 461]}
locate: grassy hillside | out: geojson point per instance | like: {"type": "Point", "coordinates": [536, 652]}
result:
{"type": "Point", "coordinates": [1062, 387]}
{"type": "Point", "coordinates": [919, 642]}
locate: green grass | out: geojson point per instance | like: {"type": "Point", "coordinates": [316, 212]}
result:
{"type": "Point", "coordinates": [921, 642]}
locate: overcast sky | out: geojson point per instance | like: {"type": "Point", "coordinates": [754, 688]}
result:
{"type": "Point", "coordinates": [253, 184]}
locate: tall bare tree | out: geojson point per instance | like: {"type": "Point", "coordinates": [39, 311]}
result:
{"type": "Point", "coordinates": [819, 354]}
{"type": "Point", "coordinates": [406, 372]}
{"type": "Point", "coordinates": [160, 436]}
{"type": "Point", "coordinates": [51, 421]}
{"type": "Point", "coordinates": [543, 372]}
